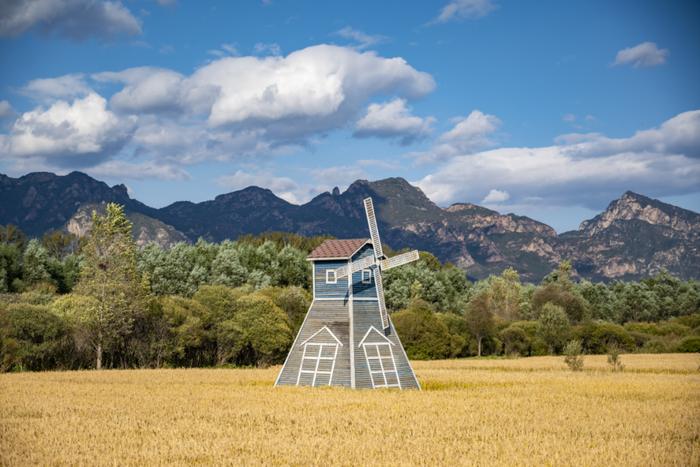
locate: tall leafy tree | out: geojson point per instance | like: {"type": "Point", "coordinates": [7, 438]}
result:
{"type": "Point", "coordinates": [480, 318]}
{"type": "Point", "coordinates": [110, 276]}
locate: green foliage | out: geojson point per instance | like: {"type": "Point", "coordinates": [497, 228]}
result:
{"type": "Point", "coordinates": [598, 337]}
{"type": "Point", "coordinates": [480, 318]}
{"type": "Point", "coordinates": [614, 359]}
{"type": "Point", "coordinates": [31, 338]}
{"type": "Point", "coordinates": [690, 344]}
{"type": "Point", "coordinates": [573, 355]}
{"type": "Point", "coordinates": [259, 333]}
{"type": "Point", "coordinates": [554, 326]}
{"type": "Point", "coordinates": [423, 334]}
{"type": "Point", "coordinates": [109, 275]}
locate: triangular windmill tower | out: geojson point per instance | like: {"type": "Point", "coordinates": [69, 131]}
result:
{"type": "Point", "coordinates": [347, 338]}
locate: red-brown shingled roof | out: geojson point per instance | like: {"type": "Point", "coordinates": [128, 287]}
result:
{"type": "Point", "coordinates": [337, 249]}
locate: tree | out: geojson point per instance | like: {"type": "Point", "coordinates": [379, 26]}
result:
{"type": "Point", "coordinates": [480, 318]}
{"type": "Point", "coordinates": [573, 355]}
{"type": "Point", "coordinates": [259, 333]}
{"type": "Point", "coordinates": [554, 326]}
{"type": "Point", "coordinates": [109, 275]}
{"type": "Point", "coordinates": [422, 334]}
{"type": "Point", "coordinates": [10, 268]}
{"type": "Point", "coordinates": [35, 262]}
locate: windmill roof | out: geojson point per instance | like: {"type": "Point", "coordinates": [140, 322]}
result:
{"type": "Point", "coordinates": [338, 249]}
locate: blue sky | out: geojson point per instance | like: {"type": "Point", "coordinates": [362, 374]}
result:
{"type": "Point", "coordinates": [546, 109]}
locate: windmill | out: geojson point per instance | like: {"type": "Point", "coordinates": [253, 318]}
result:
{"type": "Point", "coordinates": [347, 337]}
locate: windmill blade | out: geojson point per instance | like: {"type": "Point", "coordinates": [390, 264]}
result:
{"type": "Point", "coordinates": [373, 229]}
{"type": "Point", "coordinates": [364, 263]}
{"type": "Point", "coordinates": [399, 260]}
{"type": "Point", "coordinates": [380, 297]}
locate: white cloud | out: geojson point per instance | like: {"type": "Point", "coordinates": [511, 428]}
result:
{"type": "Point", "coordinates": [585, 171]}
{"type": "Point", "coordinates": [464, 9]}
{"type": "Point", "coordinates": [469, 134]}
{"type": "Point", "coordinates": [496, 196]}
{"type": "Point", "coordinates": [118, 169]}
{"type": "Point", "coordinates": [146, 90]}
{"type": "Point", "coordinates": [569, 118]}
{"type": "Point", "coordinates": [80, 133]}
{"type": "Point", "coordinates": [284, 187]}
{"type": "Point", "coordinates": [73, 19]}
{"type": "Point", "coordinates": [6, 110]}
{"type": "Point", "coordinates": [393, 119]}
{"type": "Point", "coordinates": [646, 54]}
{"type": "Point", "coordinates": [61, 87]}
{"type": "Point", "coordinates": [267, 49]}
{"type": "Point", "coordinates": [361, 39]}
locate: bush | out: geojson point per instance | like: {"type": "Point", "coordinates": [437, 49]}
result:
{"type": "Point", "coordinates": [598, 336]}
{"type": "Point", "coordinates": [614, 359]}
{"type": "Point", "coordinates": [515, 340]}
{"type": "Point", "coordinates": [573, 357]}
{"type": "Point", "coordinates": [423, 334]}
{"type": "Point", "coordinates": [690, 344]}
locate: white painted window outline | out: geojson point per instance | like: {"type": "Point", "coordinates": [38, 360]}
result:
{"type": "Point", "coordinates": [318, 357]}
{"type": "Point", "coordinates": [329, 273]}
{"type": "Point", "coordinates": [366, 276]}
{"type": "Point", "coordinates": [378, 377]}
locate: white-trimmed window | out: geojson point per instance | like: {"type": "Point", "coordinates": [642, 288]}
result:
{"type": "Point", "coordinates": [366, 276]}
{"type": "Point", "coordinates": [318, 358]}
{"type": "Point", "coordinates": [330, 277]}
{"type": "Point", "coordinates": [381, 364]}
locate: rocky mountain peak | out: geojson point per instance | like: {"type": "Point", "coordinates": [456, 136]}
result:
{"type": "Point", "coordinates": [632, 206]}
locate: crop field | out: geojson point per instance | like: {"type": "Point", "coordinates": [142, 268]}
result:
{"type": "Point", "coordinates": [521, 411]}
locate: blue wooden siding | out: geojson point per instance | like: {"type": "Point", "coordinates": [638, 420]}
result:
{"type": "Point", "coordinates": [360, 290]}
{"type": "Point", "coordinates": [323, 290]}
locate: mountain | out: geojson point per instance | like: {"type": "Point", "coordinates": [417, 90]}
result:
{"type": "Point", "coordinates": [634, 237]}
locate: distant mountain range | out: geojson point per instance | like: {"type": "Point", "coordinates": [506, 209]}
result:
{"type": "Point", "coordinates": [633, 238]}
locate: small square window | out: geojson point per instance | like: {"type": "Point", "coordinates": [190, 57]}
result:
{"type": "Point", "coordinates": [330, 277]}
{"type": "Point", "coordinates": [366, 276]}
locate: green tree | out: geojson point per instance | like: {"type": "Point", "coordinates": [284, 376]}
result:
{"type": "Point", "coordinates": [423, 335]}
{"type": "Point", "coordinates": [259, 333]}
{"type": "Point", "coordinates": [35, 260]}
{"type": "Point", "coordinates": [109, 275]}
{"type": "Point", "coordinates": [480, 318]}
{"type": "Point", "coordinates": [554, 326]}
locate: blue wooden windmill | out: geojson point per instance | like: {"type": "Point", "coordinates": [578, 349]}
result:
{"type": "Point", "coordinates": [347, 338]}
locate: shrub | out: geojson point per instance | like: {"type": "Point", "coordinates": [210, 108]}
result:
{"type": "Point", "coordinates": [573, 357]}
{"type": "Point", "coordinates": [690, 344]}
{"type": "Point", "coordinates": [614, 359]}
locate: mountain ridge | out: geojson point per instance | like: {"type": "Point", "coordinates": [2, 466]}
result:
{"type": "Point", "coordinates": [633, 237]}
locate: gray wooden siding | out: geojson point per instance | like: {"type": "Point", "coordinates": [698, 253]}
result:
{"type": "Point", "coordinates": [334, 315]}
{"type": "Point", "coordinates": [366, 314]}
{"type": "Point", "coordinates": [323, 290]}
{"type": "Point", "coordinates": [360, 290]}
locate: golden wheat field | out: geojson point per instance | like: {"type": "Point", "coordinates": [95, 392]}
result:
{"type": "Point", "coordinates": [522, 411]}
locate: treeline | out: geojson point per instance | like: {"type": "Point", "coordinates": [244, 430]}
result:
{"type": "Point", "coordinates": [102, 302]}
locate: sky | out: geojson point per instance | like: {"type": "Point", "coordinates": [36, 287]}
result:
{"type": "Point", "coordinates": [547, 109]}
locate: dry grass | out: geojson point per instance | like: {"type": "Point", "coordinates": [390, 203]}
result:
{"type": "Point", "coordinates": [524, 411]}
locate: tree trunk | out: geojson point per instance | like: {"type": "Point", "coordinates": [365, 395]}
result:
{"type": "Point", "coordinates": [98, 363]}
{"type": "Point", "coordinates": [479, 352]}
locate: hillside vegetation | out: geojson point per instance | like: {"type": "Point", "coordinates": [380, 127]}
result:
{"type": "Point", "coordinates": [103, 302]}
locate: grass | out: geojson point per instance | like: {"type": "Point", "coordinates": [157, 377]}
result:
{"type": "Point", "coordinates": [497, 411]}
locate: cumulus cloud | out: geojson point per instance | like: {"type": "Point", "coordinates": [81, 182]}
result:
{"type": "Point", "coordinates": [586, 171]}
{"type": "Point", "coordinates": [146, 89]}
{"type": "Point", "coordinates": [646, 54]}
{"type": "Point", "coordinates": [229, 109]}
{"type": "Point", "coordinates": [284, 187]}
{"type": "Point", "coordinates": [393, 119]}
{"type": "Point", "coordinates": [469, 134]}
{"type": "Point", "coordinates": [6, 110]}
{"type": "Point", "coordinates": [81, 133]}
{"type": "Point", "coordinates": [496, 196]}
{"type": "Point", "coordinates": [61, 87]}
{"type": "Point", "coordinates": [119, 169]}
{"type": "Point", "coordinates": [267, 49]}
{"type": "Point", "coordinates": [464, 9]}
{"type": "Point", "coordinates": [72, 19]}
{"type": "Point", "coordinates": [361, 39]}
